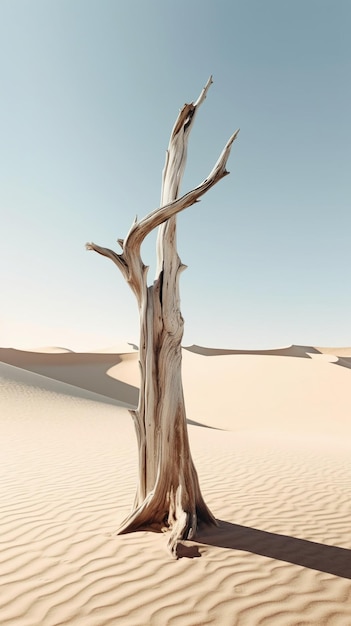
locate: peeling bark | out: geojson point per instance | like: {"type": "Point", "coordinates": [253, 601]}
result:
{"type": "Point", "coordinates": [168, 494]}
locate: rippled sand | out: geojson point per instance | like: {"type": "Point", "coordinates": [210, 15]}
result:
{"type": "Point", "coordinates": [270, 436]}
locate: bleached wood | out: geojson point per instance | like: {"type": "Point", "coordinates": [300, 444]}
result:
{"type": "Point", "coordinates": [168, 493]}
{"type": "Point", "coordinates": [139, 230]}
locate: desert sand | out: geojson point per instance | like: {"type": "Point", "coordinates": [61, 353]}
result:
{"type": "Point", "coordinates": [270, 436]}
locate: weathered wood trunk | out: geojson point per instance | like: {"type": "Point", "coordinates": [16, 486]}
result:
{"type": "Point", "coordinates": [168, 492]}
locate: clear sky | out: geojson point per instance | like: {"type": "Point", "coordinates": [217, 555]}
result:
{"type": "Point", "coordinates": [90, 90]}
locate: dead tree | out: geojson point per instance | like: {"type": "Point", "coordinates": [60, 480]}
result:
{"type": "Point", "coordinates": [168, 494]}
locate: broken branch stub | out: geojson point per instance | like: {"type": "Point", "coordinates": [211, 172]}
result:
{"type": "Point", "coordinates": [168, 493]}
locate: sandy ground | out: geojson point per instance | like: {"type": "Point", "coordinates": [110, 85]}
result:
{"type": "Point", "coordinates": [270, 436]}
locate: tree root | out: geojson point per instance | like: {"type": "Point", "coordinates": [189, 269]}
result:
{"type": "Point", "coordinates": [180, 524]}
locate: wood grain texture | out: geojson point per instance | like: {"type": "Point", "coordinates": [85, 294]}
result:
{"type": "Point", "coordinates": [168, 494]}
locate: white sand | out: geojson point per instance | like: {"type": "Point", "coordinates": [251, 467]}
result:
{"type": "Point", "coordinates": [273, 452]}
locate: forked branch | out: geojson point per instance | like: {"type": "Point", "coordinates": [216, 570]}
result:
{"type": "Point", "coordinates": [168, 494]}
{"type": "Point", "coordinates": [177, 149]}
{"type": "Point", "coordinates": [129, 261]}
{"type": "Point", "coordinates": [139, 230]}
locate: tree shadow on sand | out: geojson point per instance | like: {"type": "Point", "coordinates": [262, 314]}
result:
{"type": "Point", "coordinates": [317, 556]}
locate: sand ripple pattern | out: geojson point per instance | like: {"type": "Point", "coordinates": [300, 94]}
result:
{"type": "Point", "coordinates": [280, 556]}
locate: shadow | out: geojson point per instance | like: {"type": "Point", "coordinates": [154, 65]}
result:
{"type": "Point", "coordinates": [83, 370]}
{"type": "Point", "coordinates": [344, 361]}
{"type": "Point", "coordinates": [194, 423]}
{"type": "Point", "coordinates": [301, 352]}
{"type": "Point", "coordinates": [187, 552]}
{"type": "Point", "coordinates": [133, 345]}
{"type": "Point", "coordinates": [316, 556]}
{"type": "Point", "coordinates": [39, 381]}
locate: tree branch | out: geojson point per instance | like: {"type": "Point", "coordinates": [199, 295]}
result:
{"type": "Point", "coordinates": [177, 149]}
{"type": "Point", "coordinates": [110, 254]}
{"type": "Point", "coordinates": [140, 230]}
{"type": "Point", "coordinates": [172, 175]}
{"type": "Point", "coordinates": [129, 262]}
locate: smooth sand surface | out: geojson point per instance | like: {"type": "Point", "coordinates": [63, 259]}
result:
{"type": "Point", "coordinates": [270, 436]}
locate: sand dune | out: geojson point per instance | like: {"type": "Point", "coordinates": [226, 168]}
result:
{"type": "Point", "coordinates": [275, 468]}
{"type": "Point", "coordinates": [299, 391]}
{"type": "Point", "coordinates": [87, 370]}
{"type": "Point", "coordinates": [293, 350]}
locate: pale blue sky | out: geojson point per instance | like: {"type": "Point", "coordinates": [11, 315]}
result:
{"type": "Point", "coordinates": [90, 90]}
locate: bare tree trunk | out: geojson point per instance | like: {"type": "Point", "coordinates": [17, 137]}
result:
{"type": "Point", "coordinates": [168, 493]}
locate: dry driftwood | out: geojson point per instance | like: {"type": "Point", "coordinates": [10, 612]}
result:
{"type": "Point", "coordinates": [168, 493]}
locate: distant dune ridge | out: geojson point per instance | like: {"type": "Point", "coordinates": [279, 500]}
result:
{"type": "Point", "coordinates": [270, 436]}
